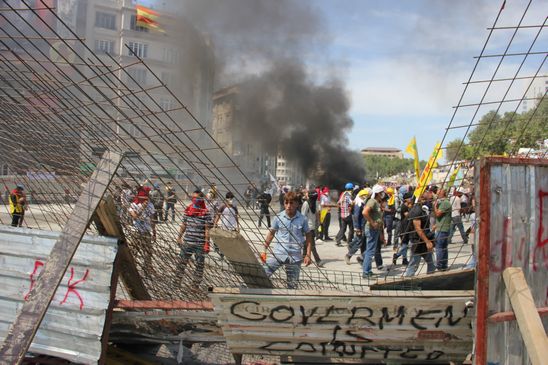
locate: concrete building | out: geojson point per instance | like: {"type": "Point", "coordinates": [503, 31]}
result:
{"type": "Point", "coordinates": [536, 91]}
{"type": "Point", "coordinates": [382, 151]}
{"type": "Point", "coordinates": [256, 163]}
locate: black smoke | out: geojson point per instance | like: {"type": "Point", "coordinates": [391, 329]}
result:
{"type": "Point", "coordinates": [261, 46]}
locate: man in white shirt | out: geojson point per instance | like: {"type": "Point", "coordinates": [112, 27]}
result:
{"type": "Point", "coordinates": [456, 219]}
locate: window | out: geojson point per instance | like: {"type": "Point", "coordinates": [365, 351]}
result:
{"type": "Point", "coordinates": [139, 49]}
{"type": "Point", "coordinates": [133, 25]}
{"type": "Point", "coordinates": [105, 20]}
{"type": "Point", "coordinates": [171, 55]}
{"type": "Point", "coordinates": [168, 79]}
{"type": "Point", "coordinates": [104, 46]}
{"type": "Point", "coordinates": [139, 76]}
{"type": "Point", "coordinates": [166, 104]}
{"type": "Point", "coordinates": [4, 170]}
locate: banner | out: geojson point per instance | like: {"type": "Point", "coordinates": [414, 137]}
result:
{"type": "Point", "coordinates": [453, 177]}
{"type": "Point", "coordinates": [413, 151]}
{"type": "Point", "coordinates": [428, 171]}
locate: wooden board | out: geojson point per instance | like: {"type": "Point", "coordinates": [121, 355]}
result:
{"type": "Point", "coordinates": [410, 329]}
{"type": "Point", "coordinates": [32, 312]}
{"type": "Point", "coordinates": [449, 280]}
{"type": "Point", "coordinates": [529, 322]}
{"type": "Point", "coordinates": [237, 251]}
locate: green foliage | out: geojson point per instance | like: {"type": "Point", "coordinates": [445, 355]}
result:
{"type": "Point", "coordinates": [386, 166]}
{"type": "Point", "coordinates": [498, 135]}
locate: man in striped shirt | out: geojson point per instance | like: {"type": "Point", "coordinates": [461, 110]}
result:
{"type": "Point", "coordinates": [193, 235]}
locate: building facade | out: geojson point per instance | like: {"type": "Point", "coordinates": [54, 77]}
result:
{"type": "Point", "coordinates": [382, 151]}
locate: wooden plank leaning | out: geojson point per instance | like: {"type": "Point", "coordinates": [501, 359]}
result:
{"type": "Point", "coordinates": [108, 224]}
{"type": "Point", "coordinates": [236, 249]}
{"type": "Point", "coordinates": [28, 320]}
{"type": "Point", "coordinates": [529, 322]}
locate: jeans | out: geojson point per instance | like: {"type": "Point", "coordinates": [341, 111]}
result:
{"type": "Point", "coordinates": [168, 207]}
{"type": "Point", "coordinates": [397, 227]}
{"type": "Point", "coordinates": [264, 213]}
{"type": "Point", "coordinates": [372, 239]}
{"type": "Point", "coordinates": [442, 256]}
{"type": "Point", "coordinates": [292, 270]}
{"type": "Point", "coordinates": [402, 251]}
{"type": "Point", "coordinates": [199, 255]}
{"type": "Point", "coordinates": [416, 259]}
{"type": "Point", "coordinates": [457, 222]}
{"type": "Point", "coordinates": [355, 244]}
{"type": "Point", "coordinates": [346, 222]}
{"type": "Point", "coordinates": [389, 224]}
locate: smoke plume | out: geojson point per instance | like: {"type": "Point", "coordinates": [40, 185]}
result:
{"type": "Point", "coordinates": [263, 46]}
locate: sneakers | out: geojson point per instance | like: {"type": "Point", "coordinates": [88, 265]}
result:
{"type": "Point", "coordinates": [405, 262]}
{"type": "Point", "coordinates": [359, 259]}
{"type": "Point", "coordinates": [380, 268]}
{"type": "Point", "coordinates": [328, 239]}
{"type": "Point", "coordinates": [319, 263]}
{"type": "Point", "coordinates": [394, 258]}
{"type": "Point", "coordinates": [367, 275]}
{"type": "Point", "coordinates": [339, 244]}
{"type": "Point", "coordinates": [347, 259]}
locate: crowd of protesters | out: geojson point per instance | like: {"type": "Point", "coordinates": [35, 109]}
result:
{"type": "Point", "coordinates": [418, 228]}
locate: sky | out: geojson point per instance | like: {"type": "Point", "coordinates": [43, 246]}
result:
{"type": "Point", "coordinates": [404, 62]}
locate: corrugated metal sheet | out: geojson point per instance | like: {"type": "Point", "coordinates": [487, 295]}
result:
{"type": "Point", "coordinates": [519, 238]}
{"type": "Point", "coordinates": [412, 328]}
{"type": "Point", "coordinates": [73, 325]}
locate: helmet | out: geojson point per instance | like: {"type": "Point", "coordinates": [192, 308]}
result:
{"type": "Point", "coordinates": [390, 190]}
{"type": "Point", "coordinates": [349, 186]}
{"type": "Point", "coordinates": [364, 192]}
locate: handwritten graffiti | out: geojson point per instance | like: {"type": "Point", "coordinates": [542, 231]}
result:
{"type": "Point", "coordinates": [501, 249]}
{"type": "Point", "coordinates": [342, 348]}
{"type": "Point", "coordinates": [356, 315]}
{"type": "Point", "coordinates": [542, 240]}
{"type": "Point", "coordinates": [37, 265]}
{"type": "Point", "coordinates": [71, 286]}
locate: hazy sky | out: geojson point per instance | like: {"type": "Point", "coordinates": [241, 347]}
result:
{"type": "Point", "coordinates": [406, 61]}
{"type": "Point", "coordinates": [402, 62]}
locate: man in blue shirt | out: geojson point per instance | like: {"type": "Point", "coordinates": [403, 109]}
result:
{"type": "Point", "coordinates": [290, 231]}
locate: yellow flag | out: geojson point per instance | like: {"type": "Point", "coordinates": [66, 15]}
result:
{"type": "Point", "coordinates": [413, 151]}
{"type": "Point", "coordinates": [428, 171]}
{"type": "Point", "coordinates": [453, 177]}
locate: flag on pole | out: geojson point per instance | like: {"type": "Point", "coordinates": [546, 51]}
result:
{"type": "Point", "coordinates": [147, 18]}
{"type": "Point", "coordinates": [453, 177]}
{"type": "Point", "coordinates": [413, 151]}
{"type": "Point", "coordinates": [274, 186]}
{"type": "Point", "coordinates": [428, 171]}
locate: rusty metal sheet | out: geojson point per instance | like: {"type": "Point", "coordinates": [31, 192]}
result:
{"type": "Point", "coordinates": [372, 327]}
{"type": "Point", "coordinates": [73, 325]}
{"type": "Point", "coordinates": [517, 222]}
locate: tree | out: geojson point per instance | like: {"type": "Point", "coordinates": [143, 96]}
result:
{"type": "Point", "coordinates": [506, 134]}
{"type": "Point", "coordinates": [378, 167]}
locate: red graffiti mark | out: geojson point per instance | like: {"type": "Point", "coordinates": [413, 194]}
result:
{"type": "Point", "coordinates": [505, 257]}
{"type": "Point", "coordinates": [72, 287]}
{"type": "Point", "coordinates": [541, 241]}
{"type": "Point", "coordinates": [37, 264]}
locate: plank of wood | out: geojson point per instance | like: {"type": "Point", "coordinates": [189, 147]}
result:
{"type": "Point", "coordinates": [163, 304]}
{"type": "Point", "coordinates": [511, 316]}
{"type": "Point", "coordinates": [449, 280]}
{"type": "Point", "coordinates": [529, 322]}
{"type": "Point", "coordinates": [28, 320]}
{"type": "Point", "coordinates": [341, 293]}
{"type": "Point", "coordinates": [236, 250]}
{"type": "Point", "coordinates": [109, 225]}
